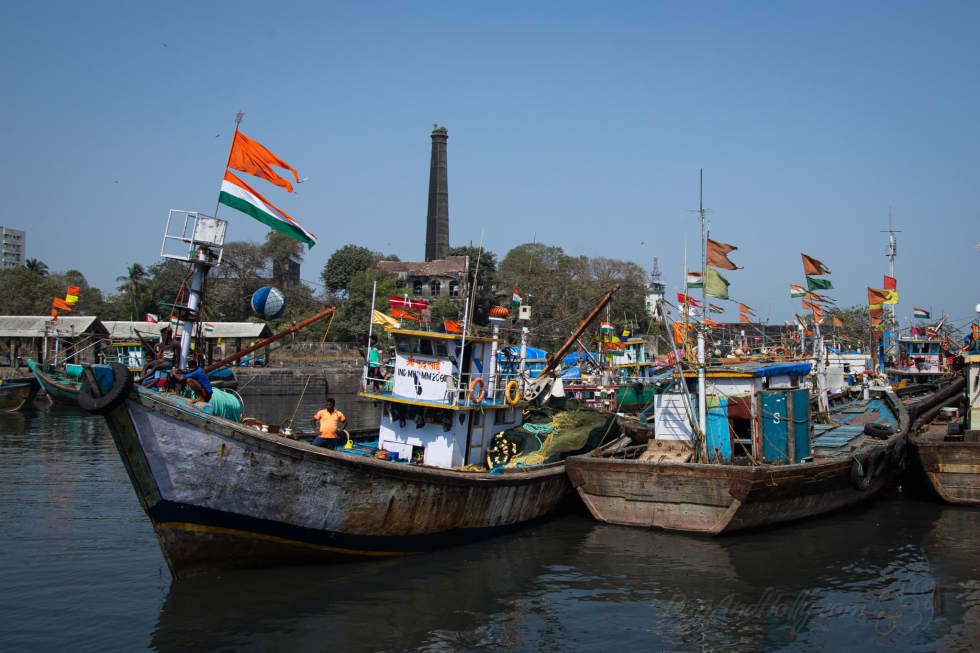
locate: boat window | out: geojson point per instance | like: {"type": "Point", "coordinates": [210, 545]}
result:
{"type": "Point", "coordinates": [504, 416]}
{"type": "Point", "coordinates": [403, 345]}
{"type": "Point", "coordinates": [422, 346]}
{"type": "Point", "coordinates": [478, 418]}
{"type": "Point", "coordinates": [441, 349]}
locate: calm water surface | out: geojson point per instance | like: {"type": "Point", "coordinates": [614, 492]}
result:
{"type": "Point", "coordinates": [80, 570]}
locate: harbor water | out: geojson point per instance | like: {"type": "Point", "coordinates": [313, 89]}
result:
{"type": "Point", "coordinates": [81, 571]}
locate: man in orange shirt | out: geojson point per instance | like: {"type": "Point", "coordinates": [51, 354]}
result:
{"type": "Point", "coordinates": [332, 422]}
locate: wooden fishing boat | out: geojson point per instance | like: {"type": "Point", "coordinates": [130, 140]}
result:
{"type": "Point", "coordinates": [758, 464]}
{"type": "Point", "coordinates": [57, 382]}
{"type": "Point", "coordinates": [13, 395]}
{"type": "Point", "coordinates": [944, 449]}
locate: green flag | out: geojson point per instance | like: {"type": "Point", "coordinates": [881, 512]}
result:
{"type": "Point", "coordinates": [715, 285]}
{"type": "Point", "coordinates": [818, 284]}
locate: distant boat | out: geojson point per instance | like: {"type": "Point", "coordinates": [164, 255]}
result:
{"type": "Point", "coordinates": [61, 384]}
{"type": "Point", "coordinates": [13, 395]}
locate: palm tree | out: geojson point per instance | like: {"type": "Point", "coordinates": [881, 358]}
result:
{"type": "Point", "coordinates": [36, 266]}
{"type": "Point", "coordinates": [135, 285]}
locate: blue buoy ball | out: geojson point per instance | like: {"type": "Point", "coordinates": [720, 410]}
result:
{"type": "Point", "coordinates": [269, 303]}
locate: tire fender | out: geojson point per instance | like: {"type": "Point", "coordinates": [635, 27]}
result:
{"type": "Point", "coordinates": [860, 472]}
{"type": "Point", "coordinates": [89, 399]}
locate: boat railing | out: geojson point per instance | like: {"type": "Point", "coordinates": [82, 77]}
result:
{"type": "Point", "coordinates": [466, 390]}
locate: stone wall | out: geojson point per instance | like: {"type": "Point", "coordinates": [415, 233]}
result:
{"type": "Point", "coordinates": [291, 381]}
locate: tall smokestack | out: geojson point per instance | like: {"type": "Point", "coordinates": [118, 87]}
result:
{"type": "Point", "coordinates": [437, 218]}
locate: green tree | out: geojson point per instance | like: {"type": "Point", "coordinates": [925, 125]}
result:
{"type": "Point", "coordinates": [343, 264]}
{"type": "Point", "coordinates": [485, 279]}
{"type": "Point", "coordinates": [135, 286]}
{"type": "Point", "coordinates": [351, 323]}
{"type": "Point", "coordinates": [36, 266]}
{"type": "Point", "coordinates": [25, 292]}
{"type": "Point", "coordinates": [90, 300]}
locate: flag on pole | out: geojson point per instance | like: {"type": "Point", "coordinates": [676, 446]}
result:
{"type": "Point", "coordinates": [891, 297]}
{"type": "Point", "coordinates": [813, 266]}
{"type": "Point", "coordinates": [516, 299]}
{"type": "Point", "coordinates": [921, 314]}
{"type": "Point", "coordinates": [607, 326]}
{"type": "Point", "coordinates": [742, 308]}
{"type": "Point", "coordinates": [238, 195]}
{"type": "Point", "coordinates": [814, 297]}
{"type": "Point", "coordinates": [71, 295]}
{"type": "Point", "coordinates": [715, 285]}
{"type": "Point", "coordinates": [717, 255]}
{"type": "Point", "coordinates": [715, 309]}
{"type": "Point", "coordinates": [405, 303]}
{"type": "Point", "coordinates": [890, 283]}
{"type": "Point", "coordinates": [251, 157]}
{"type": "Point", "coordinates": [681, 297]}
{"type": "Point", "coordinates": [694, 280]}
{"type": "Point", "coordinates": [54, 314]}
{"type": "Point", "coordinates": [208, 327]}
{"type": "Point", "coordinates": [742, 317]}
{"type": "Point", "coordinates": [839, 323]}
{"type": "Point", "coordinates": [150, 317]}
{"type": "Point", "coordinates": [453, 326]}
{"type": "Point", "coordinates": [818, 284]}
{"type": "Point", "coordinates": [876, 297]}
{"type": "Point", "coordinates": [61, 305]}
{"type": "Point", "coordinates": [796, 291]}
{"type": "Point", "coordinates": [384, 320]}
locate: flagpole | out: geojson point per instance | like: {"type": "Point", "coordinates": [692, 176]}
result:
{"type": "Point", "coordinates": [238, 121]}
{"type": "Point", "coordinates": [468, 319]}
{"type": "Point", "coordinates": [702, 389]}
{"type": "Point", "coordinates": [367, 353]}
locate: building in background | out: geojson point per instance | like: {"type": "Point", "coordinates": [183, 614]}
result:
{"type": "Point", "coordinates": [655, 291]}
{"type": "Point", "coordinates": [14, 247]}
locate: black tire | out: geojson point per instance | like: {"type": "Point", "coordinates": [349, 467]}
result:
{"type": "Point", "coordinates": [880, 431]}
{"type": "Point", "coordinates": [860, 472]}
{"type": "Point", "coordinates": [897, 456]}
{"type": "Point", "coordinates": [111, 400]}
{"type": "Point", "coordinates": [878, 461]}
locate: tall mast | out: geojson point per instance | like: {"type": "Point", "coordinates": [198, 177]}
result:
{"type": "Point", "coordinates": [892, 251]}
{"type": "Point", "coordinates": [702, 399]}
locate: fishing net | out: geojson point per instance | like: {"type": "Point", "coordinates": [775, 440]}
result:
{"type": "Point", "coordinates": [563, 427]}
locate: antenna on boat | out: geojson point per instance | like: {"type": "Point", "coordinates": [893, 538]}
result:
{"type": "Point", "coordinates": [892, 250]}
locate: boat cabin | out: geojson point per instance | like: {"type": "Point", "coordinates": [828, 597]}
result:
{"type": "Point", "coordinates": [920, 359]}
{"type": "Point", "coordinates": [755, 412]}
{"type": "Point", "coordinates": [443, 398]}
{"type": "Point", "coordinates": [972, 361]}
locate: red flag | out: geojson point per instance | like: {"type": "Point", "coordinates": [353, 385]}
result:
{"type": "Point", "coordinates": [890, 283]}
{"type": "Point", "coordinates": [400, 314]}
{"type": "Point", "coordinates": [690, 300]}
{"type": "Point", "coordinates": [453, 326]}
{"type": "Point", "coordinates": [61, 304]}
{"type": "Point", "coordinates": [402, 302]}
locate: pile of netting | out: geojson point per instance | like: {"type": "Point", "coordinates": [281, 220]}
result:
{"type": "Point", "coordinates": [563, 427]}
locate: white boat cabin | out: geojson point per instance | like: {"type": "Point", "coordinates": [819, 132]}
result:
{"type": "Point", "coordinates": [443, 397]}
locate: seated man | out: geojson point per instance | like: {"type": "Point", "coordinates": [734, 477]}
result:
{"type": "Point", "coordinates": [196, 380]}
{"type": "Point", "coordinates": [332, 421]}
{"type": "Point", "coordinates": [162, 361]}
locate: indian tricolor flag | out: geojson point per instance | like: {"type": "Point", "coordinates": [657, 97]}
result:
{"type": "Point", "coordinates": [694, 280]}
{"type": "Point", "coordinates": [208, 327]}
{"type": "Point", "coordinates": [921, 313]}
{"type": "Point", "coordinates": [796, 291]}
{"type": "Point", "coordinates": [607, 326]}
{"type": "Point", "coordinates": [515, 299]}
{"type": "Point", "coordinates": [237, 194]}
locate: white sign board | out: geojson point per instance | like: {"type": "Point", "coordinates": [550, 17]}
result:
{"type": "Point", "coordinates": [421, 377]}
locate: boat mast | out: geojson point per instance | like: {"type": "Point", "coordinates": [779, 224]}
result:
{"type": "Point", "coordinates": [892, 251]}
{"type": "Point", "coordinates": [702, 400]}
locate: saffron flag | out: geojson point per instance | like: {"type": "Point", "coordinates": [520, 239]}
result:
{"type": "Point", "coordinates": [876, 297]}
{"type": "Point", "coordinates": [890, 283]}
{"type": "Point", "coordinates": [818, 284]}
{"type": "Point", "coordinates": [717, 255]}
{"type": "Point", "coordinates": [839, 323]}
{"type": "Point", "coordinates": [921, 314]}
{"type": "Point", "coordinates": [814, 297]}
{"type": "Point", "coordinates": [61, 304]}
{"type": "Point", "coordinates": [404, 302]}
{"type": "Point", "coordinates": [976, 331]}
{"type": "Point", "coordinates": [401, 314]}
{"type": "Point", "coordinates": [237, 194]}
{"type": "Point", "coordinates": [253, 158]}
{"type": "Point", "coordinates": [453, 326]}
{"type": "Point", "coordinates": [742, 308]}
{"type": "Point", "coordinates": [876, 313]}
{"type": "Point", "coordinates": [694, 280]}
{"type": "Point", "coordinates": [54, 314]}
{"type": "Point", "coordinates": [715, 309]}
{"type": "Point", "coordinates": [891, 297]}
{"type": "Point", "coordinates": [796, 291]}
{"type": "Point", "coordinates": [715, 285]}
{"type": "Point", "coordinates": [742, 317]}
{"type": "Point", "coordinates": [813, 266]}
{"type": "Point", "coordinates": [71, 295]}
{"type": "Point", "coordinates": [515, 299]}
{"type": "Point", "coordinates": [808, 305]}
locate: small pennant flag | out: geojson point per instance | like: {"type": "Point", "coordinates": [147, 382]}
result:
{"type": "Point", "coordinates": [839, 323]}
{"type": "Point", "coordinates": [796, 291]}
{"type": "Point", "coordinates": [71, 295]}
{"type": "Point", "coordinates": [717, 255]}
{"type": "Point", "coordinates": [607, 326]}
{"type": "Point", "coordinates": [715, 309]}
{"type": "Point", "coordinates": [515, 299]}
{"type": "Point", "coordinates": [61, 304]}
{"type": "Point", "coordinates": [402, 314]}
{"type": "Point", "coordinates": [742, 308]}
{"type": "Point", "coordinates": [681, 298]}
{"type": "Point", "coordinates": [716, 285]}
{"type": "Point", "coordinates": [150, 317]}
{"type": "Point", "coordinates": [814, 297]}
{"type": "Point", "coordinates": [453, 326]}
{"type": "Point", "coordinates": [742, 317]}
{"type": "Point", "coordinates": [54, 314]}
{"type": "Point", "coordinates": [694, 280]}
{"type": "Point", "coordinates": [921, 313]}
{"type": "Point", "coordinates": [813, 266]}
{"type": "Point", "coordinates": [890, 283]}
{"type": "Point", "coordinates": [208, 327]}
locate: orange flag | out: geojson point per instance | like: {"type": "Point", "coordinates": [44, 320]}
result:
{"type": "Point", "coordinates": [812, 296]}
{"type": "Point", "coordinates": [73, 290]}
{"type": "Point", "coordinates": [742, 308]}
{"type": "Point", "coordinates": [54, 314]}
{"type": "Point", "coordinates": [813, 267]}
{"type": "Point", "coordinates": [253, 158]}
{"type": "Point", "coordinates": [61, 304]}
{"type": "Point", "coordinates": [839, 323]}
{"type": "Point", "coordinates": [742, 317]}
{"type": "Point", "coordinates": [876, 297]}
{"type": "Point", "coordinates": [718, 255]}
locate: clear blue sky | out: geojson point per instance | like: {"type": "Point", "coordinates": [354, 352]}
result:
{"type": "Point", "coordinates": [585, 123]}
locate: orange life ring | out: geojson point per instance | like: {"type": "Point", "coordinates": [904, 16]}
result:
{"type": "Point", "coordinates": [475, 397]}
{"type": "Point", "coordinates": [779, 350]}
{"type": "Point", "coordinates": [512, 393]}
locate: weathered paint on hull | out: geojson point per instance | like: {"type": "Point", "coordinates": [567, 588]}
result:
{"type": "Point", "coordinates": [712, 499]}
{"type": "Point", "coordinates": [223, 496]}
{"type": "Point", "coordinates": [60, 390]}
{"type": "Point", "coordinates": [13, 396]}
{"type": "Point", "coordinates": [951, 469]}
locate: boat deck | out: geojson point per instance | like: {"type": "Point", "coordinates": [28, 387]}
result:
{"type": "Point", "coordinates": [846, 430]}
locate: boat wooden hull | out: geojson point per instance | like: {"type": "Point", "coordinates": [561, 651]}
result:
{"type": "Point", "coordinates": [13, 396]}
{"type": "Point", "coordinates": [221, 495]}
{"type": "Point", "coordinates": [58, 387]}
{"type": "Point", "coordinates": [950, 469]}
{"type": "Point", "coordinates": [713, 499]}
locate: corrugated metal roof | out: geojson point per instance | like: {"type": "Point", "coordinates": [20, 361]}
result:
{"type": "Point", "coordinates": [16, 326]}
{"type": "Point", "coordinates": [120, 330]}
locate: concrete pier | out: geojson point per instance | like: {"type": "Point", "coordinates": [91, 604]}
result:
{"type": "Point", "coordinates": [318, 381]}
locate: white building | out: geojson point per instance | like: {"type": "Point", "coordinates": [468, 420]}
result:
{"type": "Point", "coordinates": [655, 291]}
{"type": "Point", "coordinates": [14, 247]}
